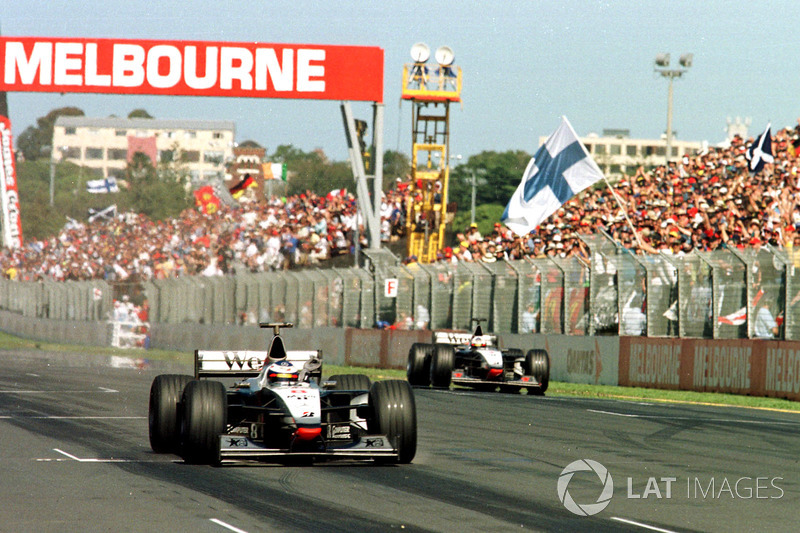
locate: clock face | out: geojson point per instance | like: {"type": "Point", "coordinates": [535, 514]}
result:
{"type": "Point", "coordinates": [445, 55]}
{"type": "Point", "coordinates": [420, 52]}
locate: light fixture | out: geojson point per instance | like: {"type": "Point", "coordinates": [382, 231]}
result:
{"type": "Point", "coordinates": [662, 60]}
{"type": "Point", "coordinates": [686, 60]}
{"type": "Point", "coordinates": [445, 56]}
{"type": "Point", "coordinates": [420, 52]}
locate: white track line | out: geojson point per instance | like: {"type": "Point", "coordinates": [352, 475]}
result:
{"type": "Point", "coordinates": [698, 419]}
{"type": "Point", "coordinates": [639, 524]}
{"type": "Point", "coordinates": [92, 460]}
{"type": "Point", "coordinates": [227, 526]}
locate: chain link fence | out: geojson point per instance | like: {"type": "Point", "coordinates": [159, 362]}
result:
{"type": "Point", "coordinates": [726, 294]}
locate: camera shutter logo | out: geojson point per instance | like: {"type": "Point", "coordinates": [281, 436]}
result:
{"type": "Point", "coordinates": [589, 509]}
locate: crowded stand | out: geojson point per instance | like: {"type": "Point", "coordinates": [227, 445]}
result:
{"type": "Point", "coordinates": [703, 202]}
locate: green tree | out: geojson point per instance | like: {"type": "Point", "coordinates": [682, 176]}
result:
{"type": "Point", "coordinates": [395, 165]}
{"type": "Point", "coordinates": [139, 113]}
{"type": "Point", "coordinates": [35, 142]}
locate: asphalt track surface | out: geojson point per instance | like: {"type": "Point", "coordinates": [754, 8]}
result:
{"type": "Point", "coordinates": [75, 456]}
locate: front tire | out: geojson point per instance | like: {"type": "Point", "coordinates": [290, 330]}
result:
{"type": "Point", "coordinates": [418, 370]}
{"type": "Point", "coordinates": [163, 416]}
{"type": "Point", "coordinates": [537, 364]}
{"type": "Point", "coordinates": [442, 365]}
{"type": "Point", "coordinates": [394, 414]}
{"type": "Point", "coordinates": [205, 416]}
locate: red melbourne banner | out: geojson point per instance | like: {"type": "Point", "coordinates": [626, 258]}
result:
{"type": "Point", "coordinates": [12, 223]}
{"type": "Point", "coordinates": [191, 68]}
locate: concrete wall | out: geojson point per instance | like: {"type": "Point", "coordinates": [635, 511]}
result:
{"type": "Point", "coordinates": [56, 331]}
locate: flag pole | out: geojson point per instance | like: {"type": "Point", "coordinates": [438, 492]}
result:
{"type": "Point", "coordinates": [613, 192]}
{"type": "Point", "coordinates": [624, 211]}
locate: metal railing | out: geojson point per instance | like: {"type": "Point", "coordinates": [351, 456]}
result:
{"type": "Point", "coordinates": [725, 294]}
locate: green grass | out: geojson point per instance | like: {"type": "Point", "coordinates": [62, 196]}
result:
{"type": "Point", "coordinates": [10, 342]}
{"type": "Point", "coordinates": [669, 396]}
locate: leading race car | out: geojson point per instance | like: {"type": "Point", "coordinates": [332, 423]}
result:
{"type": "Point", "coordinates": [280, 410]}
{"type": "Point", "coordinates": [474, 360]}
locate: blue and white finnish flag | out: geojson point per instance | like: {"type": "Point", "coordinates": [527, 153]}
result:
{"type": "Point", "coordinates": [560, 169]}
{"type": "Point", "coordinates": [102, 186]}
{"type": "Point", "coordinates": [760, 152]}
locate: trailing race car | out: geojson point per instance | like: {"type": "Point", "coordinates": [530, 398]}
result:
{"type": "Point", "coordinates": [473, 360]}
{"type": "Point", "coordinates": [280, 410]}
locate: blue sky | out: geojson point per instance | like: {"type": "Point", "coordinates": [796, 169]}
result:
{"type": "Point", "coordinates": [524, 63]}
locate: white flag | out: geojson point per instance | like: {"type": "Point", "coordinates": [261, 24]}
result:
{"type": "Point", "coordinates": [560, 169]}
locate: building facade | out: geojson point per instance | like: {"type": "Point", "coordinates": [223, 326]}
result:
{"type": "Point", "coordinates": [617, 154]}
{"type": "Point", "coordinates": [104, 146]}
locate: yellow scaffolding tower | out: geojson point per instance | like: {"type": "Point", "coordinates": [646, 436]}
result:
{"type": "Point", "coordinates": [430, 90]}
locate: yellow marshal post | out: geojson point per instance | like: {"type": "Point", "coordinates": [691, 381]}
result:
{"type": "Point", "coordinates": [430, 89]}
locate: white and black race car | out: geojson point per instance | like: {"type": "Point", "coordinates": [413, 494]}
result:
{"type": "Point", "coordinates": [280, 411]}
{"type": "Point", "coordinates": [474, 360]}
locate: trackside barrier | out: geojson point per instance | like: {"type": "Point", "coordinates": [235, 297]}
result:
{"type": "Point", "coordinates": [751, 367]}
{"type": "Point", "coordinates": [718, 295]}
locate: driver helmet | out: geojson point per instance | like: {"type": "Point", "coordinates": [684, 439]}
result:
{"type": "Point", "coordinates": [479, 341]}
{"type": "Point", "coordinates": [282, 372]}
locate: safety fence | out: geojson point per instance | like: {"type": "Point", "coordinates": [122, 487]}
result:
{"type": "Point", "coordinates": [727, 294]}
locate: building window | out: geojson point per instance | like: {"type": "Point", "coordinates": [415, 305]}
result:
{"type": "Point", "coordinates": [190, 134]}
{"type": "Point", "coordinates": [168, 134]}
{"type": "Point", "coordinates": [71, 152]}
{"type": "Point", "coordinates": [600, 149]}
{"type": "Point", "coordinates": [210, 175]}
{"type": "Point", "coordinates": [215, 158]}
{"type": "Point", "coordinates": [661, 150]}
{"type": "Point", "coordinates": [615, 169]}
{"type": "Point", "coordinates": [615, 149]}
{"type": "Point", "coordinates": [631, 150]}
{"type": "Point", "coordinates": [166, 156]}
{"type": "Point", "coordinates": [674, 151]}
{"type": "Point", "coordinates": [96, 172]}
{"type": "Point", "coordinates": [94, 153]}
{"type": "Point", "coordinates": [121, 133]}
{"type": "Point", "coordinates": [191, 156]}
{"type": "Point", "coordinates": [69, 131]}
{"type": "Point", "coordinates": [649, 150]}
{"type": "Point", "coordinates": [117, 154]}
{"type": "Point", "coordinates": [217, 135]}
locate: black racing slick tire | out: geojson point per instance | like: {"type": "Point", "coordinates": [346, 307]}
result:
{"type": "Point", "coordinates": [442, 365]}
{"type": "Point", "coordinates": [393, 413]}
{"type": "Point", "coordinates": [205, 415]}
{"type": "Point", "coordinates": [418, 370]}
{"type": "Point", "coordinates": [537, 364]}
{"type": "Point", "coordinates": [163, 416]}
{"type": "Point", "coordinates": [351, 382]}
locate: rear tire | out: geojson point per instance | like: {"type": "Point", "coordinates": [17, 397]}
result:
{"type": "Point", "coordinates": [442, 365]}
{"type": "Point", "coordinates": [163, 417]}
{"type": "Point", "coordinates": [418, 370]}
{"type": "Point", "coordinates": [537, 364]}
{"type": "Point", "coordinates": [351, 382]}
{"type": "Point", "coordinates": [393, 413]}
{"type": "Point", "coordinates": [205, 416]}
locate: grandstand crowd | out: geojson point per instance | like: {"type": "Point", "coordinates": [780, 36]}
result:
{"type": "Point", "coordinates": [702, 202]}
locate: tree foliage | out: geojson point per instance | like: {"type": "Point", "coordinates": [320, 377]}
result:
{"type": "Point", "coordinates": [139, 113]}
{"type": "Point", "coordinates": [35, 142]}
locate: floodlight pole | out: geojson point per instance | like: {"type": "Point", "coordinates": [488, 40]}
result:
{"type": "Point", "coordinates": [670, 74]}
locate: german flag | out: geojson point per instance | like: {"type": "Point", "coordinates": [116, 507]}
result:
{"type": "Point", "coordinates": [238, 189]}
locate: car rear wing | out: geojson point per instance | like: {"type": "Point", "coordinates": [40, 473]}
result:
{"type": "Point", "coordinates": [459, 338]}
{"type": "Point", "coordinates": [241, 363]}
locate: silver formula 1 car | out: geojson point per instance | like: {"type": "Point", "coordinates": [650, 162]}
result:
{"type": "Point", "coordinates": [280, 410]}
{"type": "Point", "coordinates": [474, 360]}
